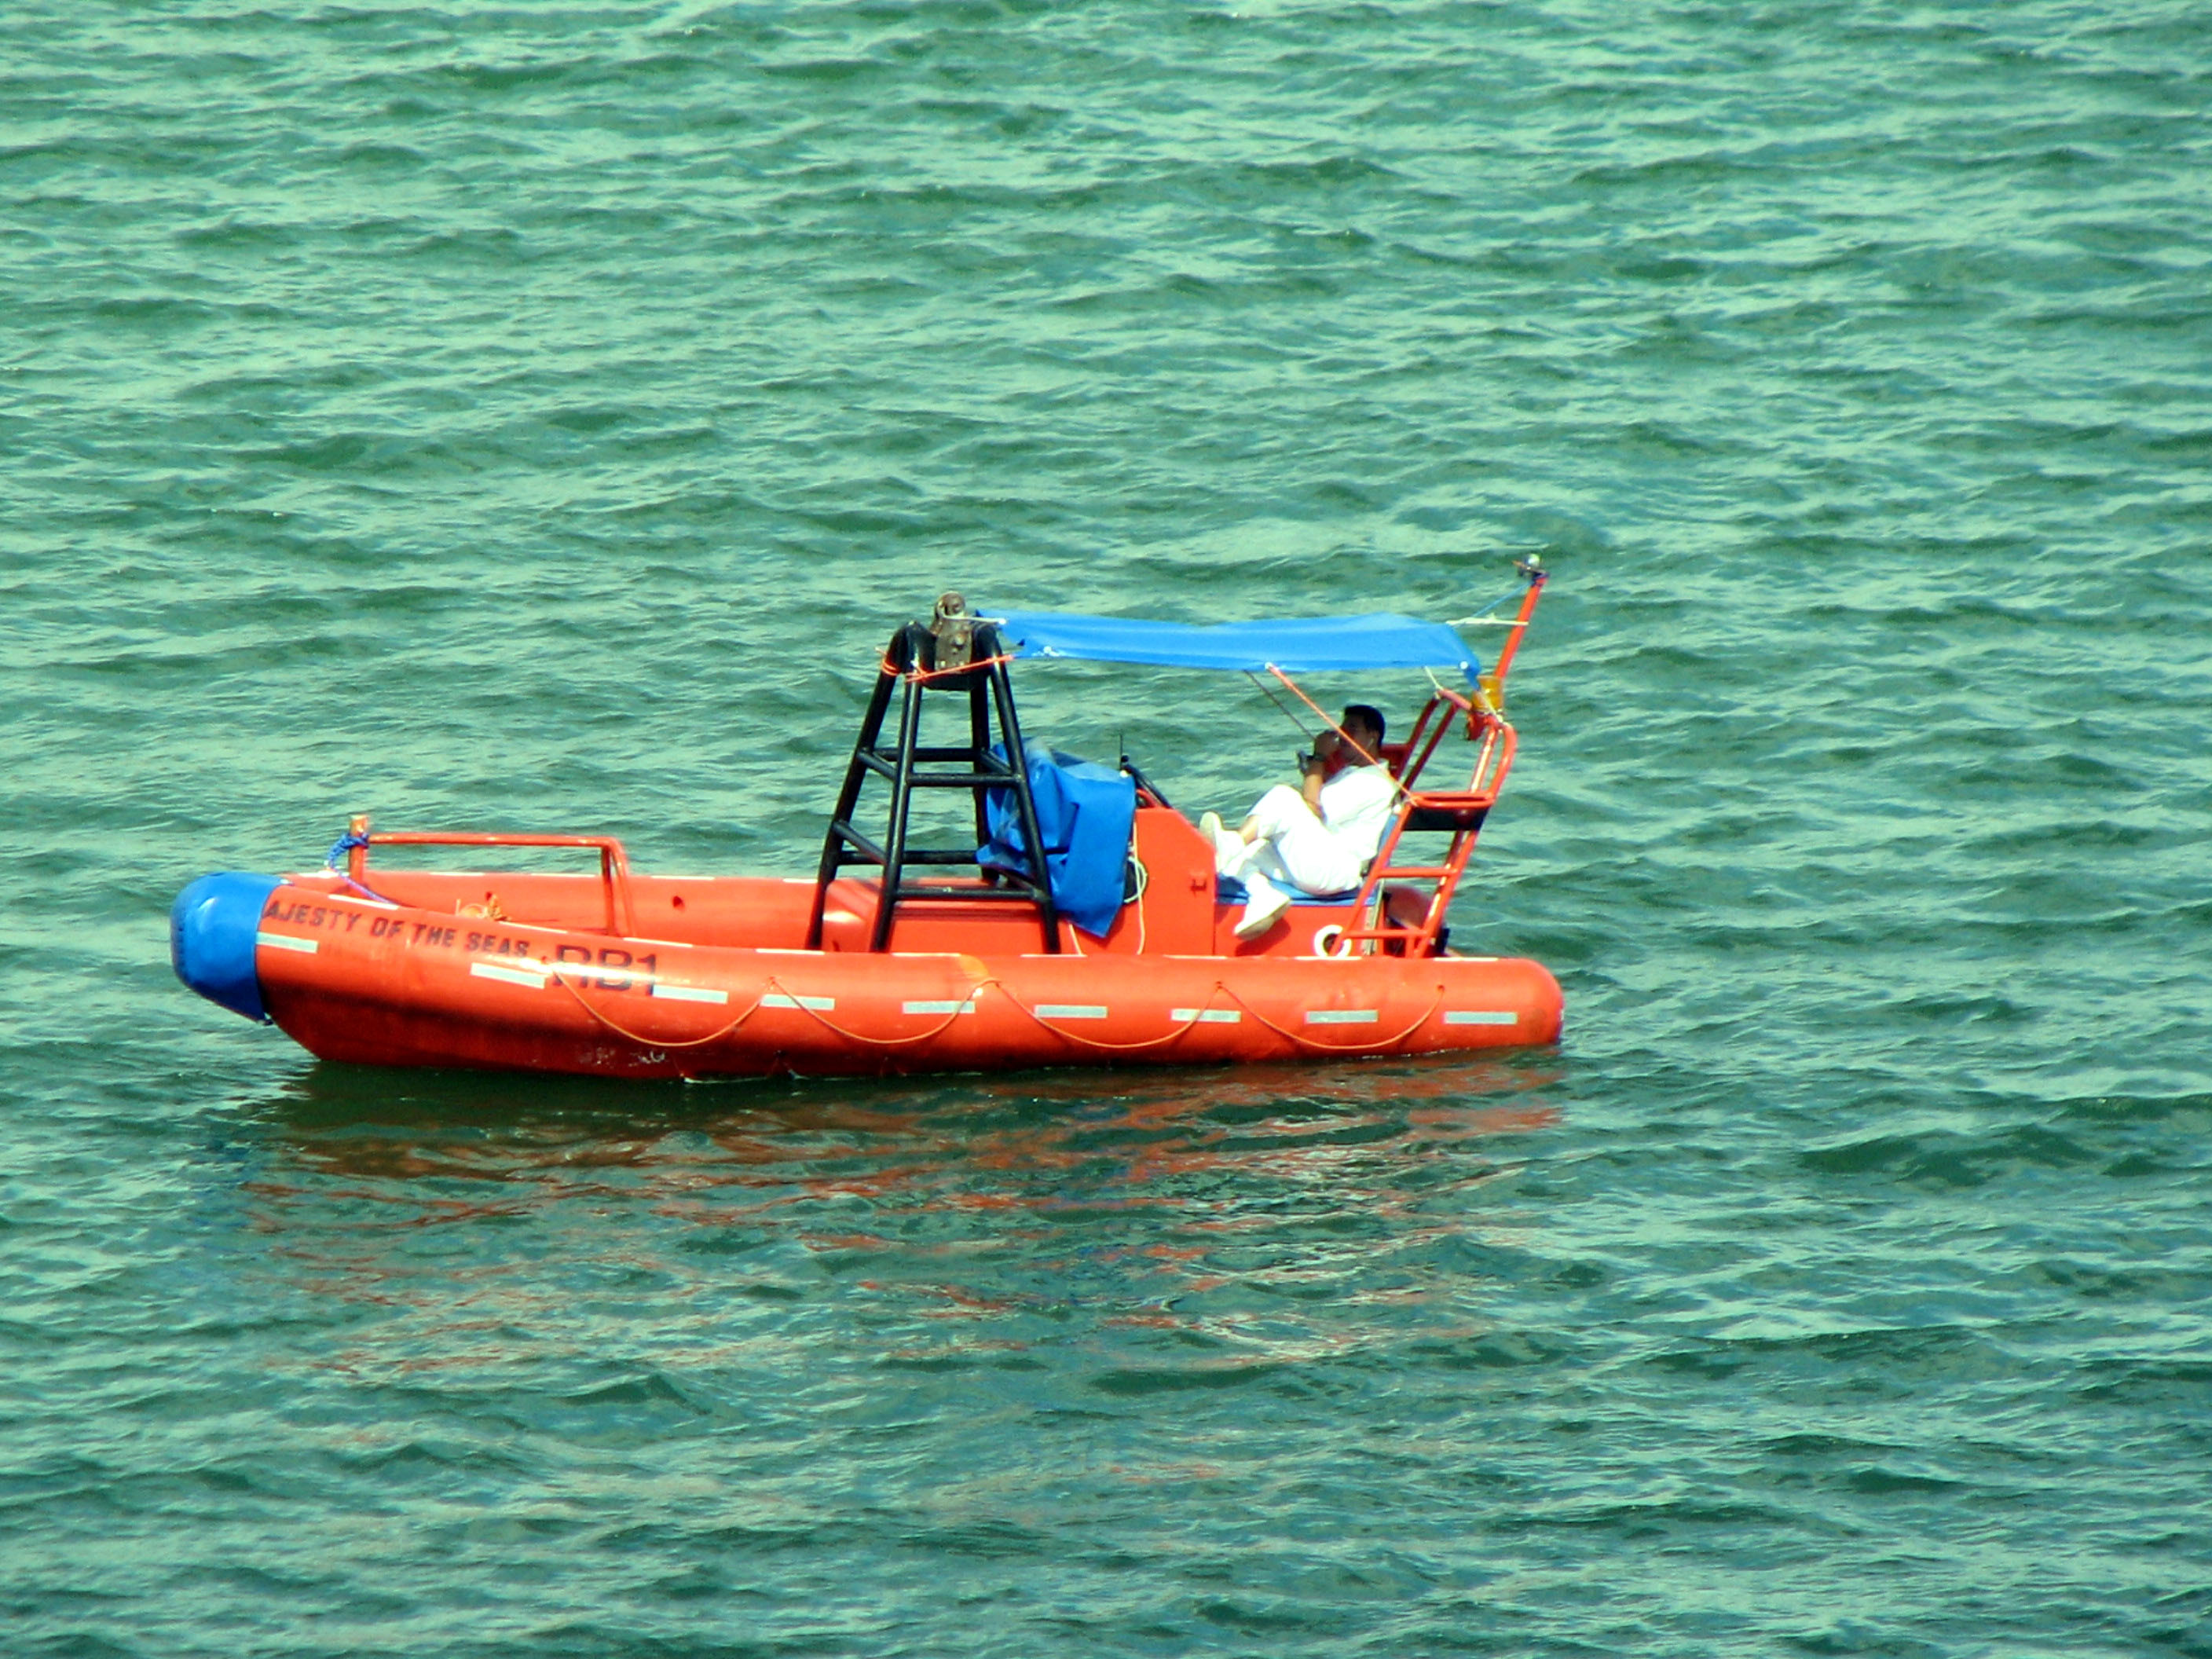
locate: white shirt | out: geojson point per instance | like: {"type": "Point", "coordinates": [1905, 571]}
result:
{"type": "Point", "coordinates": [1357, 805]}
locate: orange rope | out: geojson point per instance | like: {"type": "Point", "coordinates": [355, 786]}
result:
{"type": "Point", "coordinates": [923, 676]}
{"type": "Point", "coordinates": [966, 1003]}
{"type": "Point", "coordinates": [654, 1043]}
{"type": "Point", "coordinates": [969, 1001]}
{"type": "Point", "coordinates": [1342, 1047]}
{"type": "Point", "coordinates": [1197, 1017]}
{"type": "Point", "coordinates": [1175, 1036]}
{"type": "Point", "coordinates": [1357, 749]}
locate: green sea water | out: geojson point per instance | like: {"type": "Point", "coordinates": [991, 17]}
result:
{"type": "Point", "coordinates": [536, 417]}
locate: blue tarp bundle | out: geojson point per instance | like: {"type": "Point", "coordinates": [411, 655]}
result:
{"type": "Point", "coordinates": [1298, 644]}
{"type": "Point", "coordinates": [1085, 812]}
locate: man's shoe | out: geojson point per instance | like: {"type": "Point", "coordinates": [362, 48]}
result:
{"type": "Point", "coordinates": [1267, 904]}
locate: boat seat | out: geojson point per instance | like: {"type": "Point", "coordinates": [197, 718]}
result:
{"type": "Point", "coordinates": [1227, 889]}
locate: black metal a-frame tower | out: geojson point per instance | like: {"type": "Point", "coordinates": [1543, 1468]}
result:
{"type": "Point", "coordinates": [976, 665]}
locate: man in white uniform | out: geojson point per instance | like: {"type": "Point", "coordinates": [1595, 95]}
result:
{"type": "Point", "coordinates": [1318, 838]}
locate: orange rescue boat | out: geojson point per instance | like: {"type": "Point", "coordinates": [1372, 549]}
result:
{"type": "Point", "coordinates": [1116, 943]}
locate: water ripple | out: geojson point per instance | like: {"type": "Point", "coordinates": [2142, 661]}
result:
{"type": "Point", "coordinates": [537, 418]}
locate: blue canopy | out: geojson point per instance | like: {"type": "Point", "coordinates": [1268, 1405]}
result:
{"type": "Point", "coordinates": [1302, 645]}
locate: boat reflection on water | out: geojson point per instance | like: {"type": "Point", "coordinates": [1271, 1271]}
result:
{"type": "Point", "coordinates": [1258, 1214]}
{"type": "Point", "coordinates": [381, 1123]}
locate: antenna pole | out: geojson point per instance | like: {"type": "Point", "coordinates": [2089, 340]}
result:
{"type": "Point", "coordinates": [1533, 569]}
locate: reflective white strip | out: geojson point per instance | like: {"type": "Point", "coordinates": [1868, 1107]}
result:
{"type": "Point", "coordinates": [528, 978]}
{"type": "Point", "coordinates": [1070, 1010]}
{"type": "Point", "coordinates": [1344, 1015]}
{"type": "Point", "coordinates": [688, 993]}
{"type": "Point", "coordinates": [968, 1007]}
{"type": "Point", "coordinates": [286, 942]}
{"type": "Point", "coordinates": [777, 999]}
{"type": "Point", "coordinates": [1481, 1017]}
{"type": "Point", "coordinates": [1205, 1016]}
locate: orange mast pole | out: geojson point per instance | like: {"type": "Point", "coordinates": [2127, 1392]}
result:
{"type": "Point", "coordinates": [1494, 682]}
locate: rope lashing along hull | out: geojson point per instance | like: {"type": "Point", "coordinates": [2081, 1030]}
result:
{"type": "Point", "coordinates": [370, 982]}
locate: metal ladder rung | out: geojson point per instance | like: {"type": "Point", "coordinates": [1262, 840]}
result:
{"type": "Point", "coordinates": [985, 767]}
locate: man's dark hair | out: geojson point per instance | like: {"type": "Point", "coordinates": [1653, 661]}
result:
{"type": "Point", "coordinates": [1367, 712]}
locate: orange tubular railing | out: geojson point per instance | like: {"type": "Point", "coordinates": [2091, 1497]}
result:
{"type": "Point", "coordinates": [1461, 811]}
{"type": "Point", "coordinates": [614, 863]}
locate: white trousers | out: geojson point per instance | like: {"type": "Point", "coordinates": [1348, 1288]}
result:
{"type": "Point", "coordinates": [1291, 844]}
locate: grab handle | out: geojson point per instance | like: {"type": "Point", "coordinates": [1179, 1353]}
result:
{"type": "Point", "coordinates": [614, 863]}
